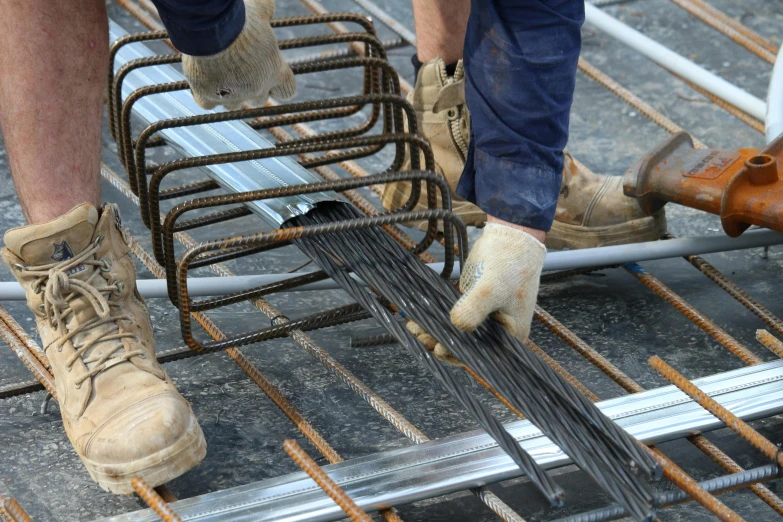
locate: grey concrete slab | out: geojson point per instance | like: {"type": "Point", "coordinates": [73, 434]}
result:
{"type": "Point", "coordinates": [610, 310]}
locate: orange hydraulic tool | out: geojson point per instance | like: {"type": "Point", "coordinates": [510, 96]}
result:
{"type": "Point", "coordinates": [742, 186]}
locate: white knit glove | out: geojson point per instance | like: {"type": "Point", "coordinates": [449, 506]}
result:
{"type": "Point", "coordinates": [500, 278]}
{"type": "Point", "coordinates": [248, 71]}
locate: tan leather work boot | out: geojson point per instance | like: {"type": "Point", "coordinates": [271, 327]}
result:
{"type": "Point", "coordinates": [592, 211]}
{"type": "Point", "coordinates": [121, 411]}
{"type": "Point", "coordinates": [439, 102]}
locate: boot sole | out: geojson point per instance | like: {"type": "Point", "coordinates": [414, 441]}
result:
{"type": "Point", "coordinates": [470, 214]}
{"type": "Point", "coordinates": [573, 237]}
{"type": "Point", "coordinates": [156, 469]}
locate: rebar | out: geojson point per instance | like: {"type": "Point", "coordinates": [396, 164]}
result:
{"type": "Point", "coordinates": [595, 358]}
{"type": "Point", "coordinates": [25, 352]}
{"type": "Point", "coordinates": [311, 2]}
{"type": "Point", "coordinates": [395, 274]}
{"type": "Point", "coordinates": [375, 401]}
{"type": "Point", "coordinates": [153, 500]}
{"type": "Point", "coordinates": [325, 482]}
{"type": "Point", "coordinates": [15, 511]}
{"type": "Point", "coordinates": [731, 421]}
{"type": "Point", "coordinates": [692, 488]}
{"type": "Point", "coordinates": [20, 388]}
{"type": "Point", "coordinates": [686, 309]}
{"type": "Point", "coordinates": [728, 464]}
{"type": "Point", "coordinates": [722, 484]}
{"type": "Point", "coordinates": [770, 341]}
{"type": "Point", "coordinates": [719, 24]}
{"type": "Point", "coordinates": [758, 309]}
{"type": "Point", "coordinates": [373, 340]}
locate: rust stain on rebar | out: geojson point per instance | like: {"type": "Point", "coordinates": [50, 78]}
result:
{"type": "Point", "coordinates": [14, 511]}
{"type": "Point", "coordinates": [325, 482]}
{"type": "Point", "coordinates": [774, 344]}
{"type": "Point", "coordinates": [738, 293]}
{"type": "Point", "coordinates": [731, 421]}
{"type": "Point", "coordinates": [154, 501]}
{"type": "Point", "coordinates": [686, 483]}
{"type": "Point", "coordinates": [598, 360]}
{"type": "Point", "coordinates": [736, 31]}
{"type": "Point", "coordinates": [699, 319]}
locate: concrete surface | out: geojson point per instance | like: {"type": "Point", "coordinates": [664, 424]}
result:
{"type": "Point", "coordinates": [610, 310]}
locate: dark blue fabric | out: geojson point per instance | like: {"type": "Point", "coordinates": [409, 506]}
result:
{"type": "Point", "coordinates": [202, 27]}
{"type": "Point", "coordinates": [520, 64]}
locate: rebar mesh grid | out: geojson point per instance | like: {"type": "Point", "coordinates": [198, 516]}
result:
{"type": "Point", "coordinates": [13, 334]}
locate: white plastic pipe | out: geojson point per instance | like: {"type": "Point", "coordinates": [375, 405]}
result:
{"type": "Point", "coordinates": [774, 117]}
{"type": "Point", "coordinates": [677, 64]}
{"type": "Point", "coordinates": [566, 260]}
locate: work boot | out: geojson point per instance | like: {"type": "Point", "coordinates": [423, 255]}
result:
{"type": "Point", "coordinates": [120, 410]}
{"type": "Point", "coordinates": [439, 102]}
{"type": "Point", "coordinates": [592, 211]}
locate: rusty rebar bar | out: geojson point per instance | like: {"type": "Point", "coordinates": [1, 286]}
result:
{"type": "Point", "coordinates": [734, 26]}
{"type": "Point", "coordinates": [719, 24]}
{"type": "Point", "coordinates": [325, 482]}
{"type": "Point", "coordinates": [631, 386]}
{"type": "Point", "coordinates": [731, 421]}
{"type": "Point", "coordinates": [632, 100]}
{"type": "Point", "coordinates": [738, 293]}
{"type": "Point", "coordinates": [15, 511]}
{"type": "Point", "coordinates": [741, 115]}
{"type": "Point", "coordinates": [597, 360]}
{"type": "Point", "coordinates": [696, 317]}
{"type": "Point", "coordinates": [774, 344]}
{"type": "Point", "coordinates": [154, 501]}
{"type": "Point", "coordinates": [25, 352]}
{"type": "Point", "coordinates": [727, 463]}
{"type": "Point", "coordinates": [686, 483]}
{"type": "Point", "coordinates": [562, 371]}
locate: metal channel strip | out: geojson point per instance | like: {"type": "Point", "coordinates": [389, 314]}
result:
{"type": "Point", "coordinates": [216, 138]}
{"type": "Point", "coordinates": [473, 459]}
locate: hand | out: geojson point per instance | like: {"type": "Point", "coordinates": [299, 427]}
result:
{"type": "Point", "coordinates": [500, 278]}
{"type": "Point", "coordinates": [248, 71]}
{"type": "Point", "coordinates": [432, 345]}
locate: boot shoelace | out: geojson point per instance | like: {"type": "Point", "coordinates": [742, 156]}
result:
{"type": "Point", "coordinates": [60, 289]}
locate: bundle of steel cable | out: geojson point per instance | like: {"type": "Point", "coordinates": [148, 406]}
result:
{"type": "Point", "coordinates": [598, 446]}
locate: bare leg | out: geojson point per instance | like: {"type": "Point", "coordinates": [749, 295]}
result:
{"type": "Point", "coordinates": [53, 58]}
{"type": "Point", "coordinates": [440, 28]}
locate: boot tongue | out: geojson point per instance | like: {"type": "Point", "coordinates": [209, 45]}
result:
{"type": "Point", "coordinates": [54, 241]}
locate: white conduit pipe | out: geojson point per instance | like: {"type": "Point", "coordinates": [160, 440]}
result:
{"type": "Point", "coordinates": [677, 64]}
{"type": "Point", "coordinates": [567, 260]}
{"type": "Point", "coordinates": [774, 118]}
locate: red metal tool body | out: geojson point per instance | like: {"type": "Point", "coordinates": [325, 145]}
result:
{"type": "Point", "coordinates": [742, 186]}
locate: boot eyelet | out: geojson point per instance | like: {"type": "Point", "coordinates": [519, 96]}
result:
{"type": "Point", "coordinates": [98, 239]}
{"type": "Point", "coordinates": [42, 308]}
{"type": "Point", "coordinates": [37, 289]}
{"type": "Point", "coordinates": [143, 356]}
{"type": "Point", "coordinates": [120, 287]}
{"type": "Point", "coordinates": [106, 264]}
{"type": "Point", "coordinates": [78, 386]}
{"type": "Point", "coordinates": [19, 267]}
{"type": "Point", "coordinates": [69, 368]}
{"type": "Point", "coordinates": [452, 113]}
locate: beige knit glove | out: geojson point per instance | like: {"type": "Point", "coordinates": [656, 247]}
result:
{"type": "Point", "coordinates": [248, 71]}
{"type": "Point", "coordinates": [500, 278]}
